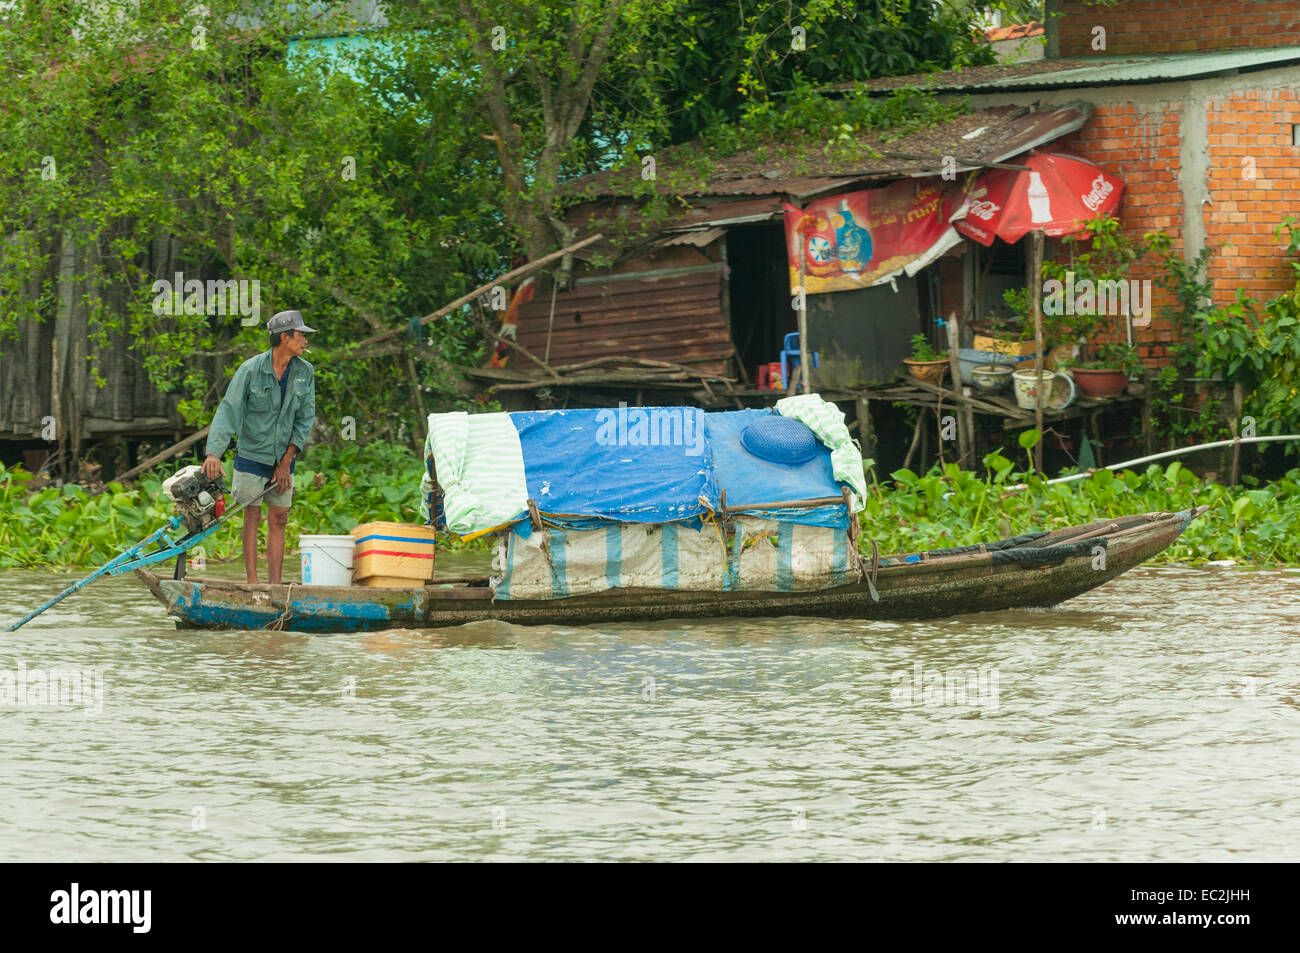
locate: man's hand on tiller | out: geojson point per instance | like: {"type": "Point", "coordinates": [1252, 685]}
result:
{"type": "Point", "coordinates": [282, 477]}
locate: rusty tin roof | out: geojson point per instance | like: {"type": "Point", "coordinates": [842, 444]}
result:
{"type": "Point", "coordinates": [978, 138]}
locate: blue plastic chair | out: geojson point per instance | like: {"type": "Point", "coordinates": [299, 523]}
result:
{"type": "Point", "coordinates": [790, 356]}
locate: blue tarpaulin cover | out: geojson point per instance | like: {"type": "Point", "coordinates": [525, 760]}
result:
{"type": "Point", "coordinates": [632, 464]}
{"type": "Point", "coordinates": [749, 479]}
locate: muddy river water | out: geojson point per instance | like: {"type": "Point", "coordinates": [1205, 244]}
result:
{"type": "Point", "coordinates": [1157, 718]}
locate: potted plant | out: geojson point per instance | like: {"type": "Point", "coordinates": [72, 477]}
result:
{"type": "Point", "coordinates": [1064, 335]}
{"type": "Point", "coordinates": [1099, 368]}
{"type": "Point", "coordinates": [1107, 373]}
{"type": "Point", "coordinates": [1012, 336]}
{"type": "Point", "coordinates": [926, 364]}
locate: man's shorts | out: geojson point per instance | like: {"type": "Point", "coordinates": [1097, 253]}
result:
{"type": "Point", "coordinates": [247, 485]}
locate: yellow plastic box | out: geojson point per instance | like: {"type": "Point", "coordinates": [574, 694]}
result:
{"type": "Point", "coordinates": [392, 555]}
{"type": "Point", "coordinates": [983, 342]}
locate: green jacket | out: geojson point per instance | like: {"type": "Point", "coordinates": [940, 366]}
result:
{"type": "Point", "coordinates": [252, 412]}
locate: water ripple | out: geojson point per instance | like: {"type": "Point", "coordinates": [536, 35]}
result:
{"type": "Point", "coordinates": [1157, 718]}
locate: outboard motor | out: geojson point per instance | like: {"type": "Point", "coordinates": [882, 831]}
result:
{"type": "Point", "coordinates": [200, 501]}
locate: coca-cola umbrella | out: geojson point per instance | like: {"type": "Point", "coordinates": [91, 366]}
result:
{"type": "Point", "coordinates": [1054, 193]}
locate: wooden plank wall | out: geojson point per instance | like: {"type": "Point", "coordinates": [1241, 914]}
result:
{"type": "Point", "coordinates": [46, 370]}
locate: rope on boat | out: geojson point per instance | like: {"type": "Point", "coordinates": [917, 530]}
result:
{"type": "Point", "coordinates": [277, 624]}
{"type": "Point", "coordinates": [875, 569]}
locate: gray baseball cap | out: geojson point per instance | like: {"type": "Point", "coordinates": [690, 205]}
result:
{"type": "Point", "coordinates": [288, 321]}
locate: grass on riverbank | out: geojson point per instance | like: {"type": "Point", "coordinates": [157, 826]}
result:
{"type": "Point", "coordinates": [338, 487]}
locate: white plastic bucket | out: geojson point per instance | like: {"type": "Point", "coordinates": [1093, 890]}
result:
{"type": "Point", "coordinates": [326, 560]}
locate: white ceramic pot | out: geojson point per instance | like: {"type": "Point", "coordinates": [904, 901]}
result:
{"type": "Point", "coordinates": [1028, 382]}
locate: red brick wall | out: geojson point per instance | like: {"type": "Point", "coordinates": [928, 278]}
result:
{"type": "Point", "coordinates": [1250, 133]}
{"type": "Point", "coordinates": [1141, 145]}
{"type": "Point", "coordinates": [1169, 26]}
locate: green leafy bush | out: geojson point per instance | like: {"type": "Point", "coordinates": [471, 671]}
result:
{"type": "Point", "coordinates": [347, 484]}
{"type": "Point", "coordinates": [335, 488]}
{"type": "Point", "coordinates": [922, 351]}
{"type": "Point", "coordinates": [955, 507]}
{"type": "Point", "coordinates": [1260, 350]}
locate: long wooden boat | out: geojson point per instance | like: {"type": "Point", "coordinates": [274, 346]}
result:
{"type": "Point", "coordinates": [1036, 569]}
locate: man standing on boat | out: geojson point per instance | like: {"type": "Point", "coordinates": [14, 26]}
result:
{"type": "Point", "coordinates": [269, 409]}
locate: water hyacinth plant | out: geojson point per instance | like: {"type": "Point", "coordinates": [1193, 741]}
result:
{"type": "Point", "coordinates": [338, 487]}
{"type": "Point", "coordinates": [949, 506]}
{"type": "Point", "coordinates": [335, 488]}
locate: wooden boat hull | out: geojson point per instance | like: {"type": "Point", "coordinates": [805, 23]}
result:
{"type": "Point", "coordinates": [1006, 574]}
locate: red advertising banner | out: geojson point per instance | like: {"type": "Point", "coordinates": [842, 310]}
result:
{"type": "Point", "coordinates": [857, 239]}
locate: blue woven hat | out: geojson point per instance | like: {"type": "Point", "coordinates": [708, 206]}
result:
{"type": "Point", "coordinates": [779, 439]}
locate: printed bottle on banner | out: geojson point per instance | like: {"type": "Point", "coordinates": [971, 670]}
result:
{"type": "Point", "coordinates": [819, 249]}
{"type": "Point", "coordinates": [852, 242]}
{"type": "Point", "coordinates": [1040, 205]}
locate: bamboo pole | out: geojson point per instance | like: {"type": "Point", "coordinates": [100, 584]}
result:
{"type": "Point", "coordinates": [791, 504]}
{"type": "Point", "coordinates": [1162, 456]}
{"type": "Point", "coordinates": [158, 458]}
{"type": "Point", "coordinates": [916, 437]}
{"type": "Point", "coordinates": [523, 271]}
{"type": "Point", "coordinates": [866, 437]}
{"type": "Point", "coordinates": [1036, 299]}
{"type": "Point", "coordinates": [418, 393]}
{"type": "Point", "coordinates": [965, 417]}
{"type": "Point", "coordinates": [805, 352]}
{"type": "Point", "coordinates": [796, 376]}
{"type": "Point", "coordinates": [961, 398]}
{"type": "Point", "coordinates": [516, 346]}
{"type": "Point", "coordinates": [56, 399]}
{"type": "Point", "coordinates": [1237, 398]}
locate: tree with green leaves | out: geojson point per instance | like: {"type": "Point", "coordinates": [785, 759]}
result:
{"type": "Point", "coordinates": [714, 63]}
{"type": "Point", "coordinates": [172, 139]}
{"type": "Point", "coordinates": [367, 183]}
{"type": "Point", "coordinates": [573, 87]}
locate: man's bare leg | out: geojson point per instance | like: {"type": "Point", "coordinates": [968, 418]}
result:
{"type": "Point", "coordinates": [252, 517]}
{"type": "Point", "coordinates": [277, 518]}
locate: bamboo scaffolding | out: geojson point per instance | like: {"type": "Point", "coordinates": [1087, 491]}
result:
{"type": "Point", "coordinates": [787, 505]}
{"type": "Point", "coordinates": [523, 271]}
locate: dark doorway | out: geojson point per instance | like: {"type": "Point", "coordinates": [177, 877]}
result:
{"type": "Point", "coordinates": [759, 292]}
{"type": "Point", "coordinates": [862, 336]}
{"type": "Point", "coordinates": [998, 268]}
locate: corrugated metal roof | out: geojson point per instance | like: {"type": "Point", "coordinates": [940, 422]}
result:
{"type": "Point", "coordinates": [699, 237]}
{"type": "Point", "coordinates": [1017, 31]}
{"type": "Point", "coordinates": [1093, 71]}
{"type": "Point", "coordinates": [976, 139]}
{"type": "Point", "coordinates": [675, 315]}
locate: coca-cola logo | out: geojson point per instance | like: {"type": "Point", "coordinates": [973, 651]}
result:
{"type": "Point", "coordinates": [1100, 189]}
{"type": "Point", "coordinates": [983, 210]}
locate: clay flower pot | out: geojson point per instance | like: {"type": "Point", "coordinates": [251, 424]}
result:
{"type": "Point", "coordinates": [932, 372]}
{"type": "Point", "coordinates": [992, 378]}
{"type": "Point", "coordinates": [1099, 381]}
